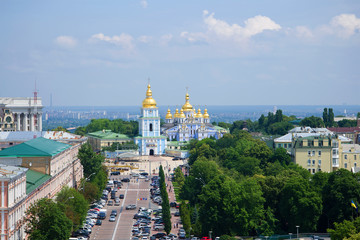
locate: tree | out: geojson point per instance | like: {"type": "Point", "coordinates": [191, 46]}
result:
{"type": "Point", "coordinates": [340, 189]}
{"type": "Point", "coordinates": [90, 161]}
{"type": "Point", "coordinates": [299, 205]}
{"type": "Point", "coordinates": [314, 122]}
{"type": "Point", "coordinates": [45, 220]}
{"type": "Point", "coordinates": [279, 128]}
{"type": "Point", "coordinates": [331, 120]}
{"type": "Point", "coordinates": [281, 155]}
{"type": "Point", "coordinates": [279, 116]}
{"type": "Point", "coordinates": [73, 204]}
{"type": "Point", "coordinates": [165, 201]}
{"type": "Point", "coordinates": [326, 117]}
{"type": "Point", "coordinates": [60, 128]}
{"type": "Point", "coordinates": [261, 121]}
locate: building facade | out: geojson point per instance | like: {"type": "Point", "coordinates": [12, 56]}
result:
{"type": "Point", "coordinates": [49, 165]}
{"type": "Point", "coordinates": [20, 114]}
{"type": "Point", "coordinates": [106, 138]}
{"type": "Point", "coordinates": [150, 141]}
{"type": "Point", "coordinates": [190, 124]}
{"type": "Point", "coordinates": [12, 201]}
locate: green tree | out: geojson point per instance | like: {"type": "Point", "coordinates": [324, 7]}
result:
{"type": "Point", "coordinates": [73, 204]}
{"type": "Point", "coordinates": [90, 161]}
{"type": "Point", "coordinates": [342, 230]}
{"type": "Point", "coordinates": [281, 155]}
{"type": "Point", "coordinates": [279, 128]}
{"type": "Point", "coordinates": [185, 217]}
{"type": "Point", "coordinates": [60, 128]}
{"type": "Point", "coordinates": [279, 116]}
{"type": "Point", "coordinates": [166, 215]}
{"type": "Point", "coordinates": [90, 191]}
{"type": "Point", "coordinates": [326, 117]}
{"type": "Point", "coordinates": [314, 122]}
{"type": "Point", "coordinates": [45, 220]}
{"type": "Point", "coordinates": [299, 205]}
{"type": "Point", "coordinates": [331, 121]}
{"type": "Point", "coordinates": [342, 187]}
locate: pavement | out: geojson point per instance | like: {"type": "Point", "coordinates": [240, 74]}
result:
{"type": "Point", "coordinates": [137, 191]}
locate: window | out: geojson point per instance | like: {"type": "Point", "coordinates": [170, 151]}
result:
{"type": "Point", "coordinates": [345, 165]}
{"type": "Point", "coordinates": [313, 170]}
{"type": "Point", "coordinates": [309, 162]}
{"type": "Point", "coordinates": [319, 153]}
{"type": "Point", "coordinates": [313, 162]}
{"type": "Point", "coordinates": [345, 156]}
{"type": "Point", "coordinates": [354, 164]}
{"type": "Point", "coordinates": [334, 151]}
{"type": "Point", "coordinates": [313, 153]}
{"type": "Point", "coordinates": [289, 145]}
{"type": "Point", "coordinates": [279, 145]}
{"type": "Point", "coordinates": [354, 157]}
{"type": "Point", "coordinates": [309, 170]}
{"type": "Point", "coordinates": [285, 145]}
{"type": "Point", "coordinates": [319, 170]}
{"type": "Point", "coordinates": [151, 127]}
{"type": "Point", "coordinates": [319, 162]}
{"type": "Point", "coordinates": [309, 153]}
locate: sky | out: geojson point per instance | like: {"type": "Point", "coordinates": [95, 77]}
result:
{"type": "Point", "coordinates": [254, 52]}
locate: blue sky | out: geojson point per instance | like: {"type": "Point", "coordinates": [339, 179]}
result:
{"type": "Point", "coordinates": [227, 52]}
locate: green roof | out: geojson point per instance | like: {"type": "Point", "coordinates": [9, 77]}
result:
{"type": "Point", "coordinates": [34, 180]}
{"type": "Point", "coordinates": [220, 128]}
{"type": "Point", "coordinates": [108, 134]}
{"type": "Point", "coordinates": [38, 147]}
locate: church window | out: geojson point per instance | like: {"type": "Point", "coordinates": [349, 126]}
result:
{"type": "Point", "coordinates": [151, 127]}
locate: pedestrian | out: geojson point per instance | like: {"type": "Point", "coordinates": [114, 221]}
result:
{"type": "Point", "coordinates": [177, 225]}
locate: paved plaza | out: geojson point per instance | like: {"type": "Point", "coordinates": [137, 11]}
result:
{"type": "Point", "coordinates": [137, 191]}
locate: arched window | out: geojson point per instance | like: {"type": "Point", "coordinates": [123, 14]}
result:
{"type": "Point", "coordinates": [151, 127]}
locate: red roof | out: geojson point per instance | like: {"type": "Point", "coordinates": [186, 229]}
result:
{"type": "Point", "coordinates": [344, 129]}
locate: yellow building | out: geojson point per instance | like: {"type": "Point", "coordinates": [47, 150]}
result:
{"type": "Point", "coordinates": [349, 157]}
{"type": "Point", "coordinates": [105, 138]}
{"type": "Point", "coordinates": [314, 153]}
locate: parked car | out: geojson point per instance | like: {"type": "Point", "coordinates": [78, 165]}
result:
{"type": "Point", "coordinates": [177, 214]}
{"type": "Point", "coordinates": [130, 207]}
{"type": "Point", "coordinates": [159, 235]}
{"type": "Point", "coordinates": [125, 180]}
{"type": "Point", "coordinates": [121, 196]}
{"type": "Point", "coordinates": [159, 227]}
{"type": "Point", "coordinates": [98, 222]}
{"type": "Point", "coordinates": [110, 203]}
{"type": "Point", "coordinates": [112, 218]}
{"type": "Point", "coordinates": [114, 212]}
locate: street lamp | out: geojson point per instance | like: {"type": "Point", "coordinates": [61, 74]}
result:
{"type": "Point", "coordinates": [201, 180]}
{"type": "Point", "coordinates": [297, 231]}
{"type": "Point", "coordinates": [290, 234]}
{"type": "Point", "coordinates": [210, 234]}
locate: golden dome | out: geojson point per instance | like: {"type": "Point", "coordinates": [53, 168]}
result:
{"type": "Point", "coordinates": [194, 114]}
{"type": "Point", "coordinates": [199, 114]}
{"type": "Point", "coordinates": [176, 114]}
{"type": "Point", "coordinates": [187, 106]}
{"type": "Point", "coordinates": [206, 115]}
{"type": "Point", "coordinates": [181, 114]}
{"type": "Point", "coordinates": [149, 102]}
{"type": "Point", "coordinates": [168, 115]}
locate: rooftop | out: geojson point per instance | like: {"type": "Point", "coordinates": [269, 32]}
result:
{"type": "Point", "coordinates": [345, 129]}
{"type": "Point", "coordinates": [10, 171]}
{"type": "Point", "coordinates": [34, 180]}
{"type": "Point", "coordinates": [35, 147]}
{"type": "Point", "coordinates": [22, 136]}
{"type": "Point", "coordinates": [108, 134]}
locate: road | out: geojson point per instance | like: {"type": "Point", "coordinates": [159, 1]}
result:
{"type": "Point", "coordinates": [137, 191]}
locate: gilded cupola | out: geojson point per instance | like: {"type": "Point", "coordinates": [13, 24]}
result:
{"type": "Point", "coordinates": [199, 114]}
{"type": "Point", "coordinates": [181, 114]}
{"type": "Point", "coordinates": [168, 115]}
{"type": "Point", "coordinates": [187, 106]}
{"type": "Point", "coordinates": [176, 114]}
{"type": "Point", "coordinates": [149, 102]}
{"type": "Point", "coordinates": [206, 115]}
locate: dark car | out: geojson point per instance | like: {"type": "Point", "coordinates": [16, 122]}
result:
{"type": "Point", "coordinates": [173, 204]}
{"type": "Point", "coordinates": [121, 196]}
{"type": "Point", "coordinates": [144, 174]}
{"type": "Point", "coordinates": [114, 212]}
{"type": "Point", "coordinates": [98, 222]}
{"type": "Point", "coordinates": [159, 235]}
{"type": "Point", "coordinates": [177, 214]}
{"type": "Point", "coordinates": [125, 180]}
{"type": "Point", "coordinates": [81, 233]}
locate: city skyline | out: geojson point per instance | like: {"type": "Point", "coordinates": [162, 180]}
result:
{"type": "Point", "coordinates": [88, 53]}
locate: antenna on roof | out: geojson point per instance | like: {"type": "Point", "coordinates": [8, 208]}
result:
{"type": "Point", "coordinates": [35, 94]}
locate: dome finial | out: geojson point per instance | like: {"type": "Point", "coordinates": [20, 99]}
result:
{"type": "Point", "coordinates": [149, 102]}
{"type": "Point", "coordinates": [187, 106]}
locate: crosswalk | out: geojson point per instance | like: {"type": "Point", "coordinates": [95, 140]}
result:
{"type": "Point", "coordinates": [135, 190]}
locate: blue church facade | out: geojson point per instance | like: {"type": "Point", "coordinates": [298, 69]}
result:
{"type": "Point", "coordinates": [150, 141]}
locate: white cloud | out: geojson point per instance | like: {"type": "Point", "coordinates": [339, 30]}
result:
{"type": "Point", "coordinates": [66, 41]}
{"type": "Point", "coordinates": [144, 3]}
{"type": "Point", "coordinates": [345, 24]}
{"type": "Point", "coordinates": [165, 39]}
{"type": "Point", "coordinates": [225, 31]}
{"type": "Point", "coordinates": [144, 39]}
{"type": "Point", "coordinates": [303, 32]}
{"type": "Point", "coordinates": [124, 40]}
